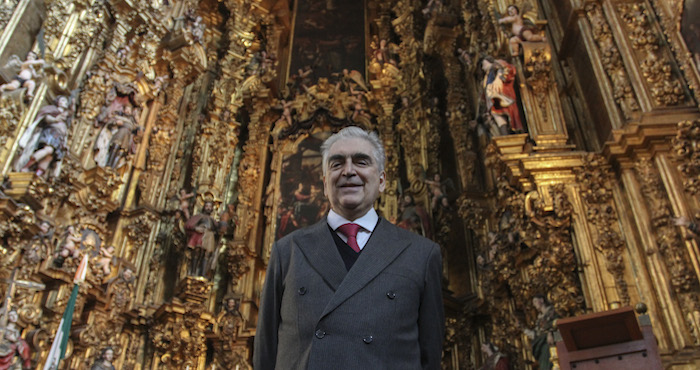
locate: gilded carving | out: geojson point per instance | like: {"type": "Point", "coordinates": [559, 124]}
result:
{"type": "Point", "coordinates": [6, 10]}
{"type": "Point", "coordinates": [668, 240]}
{"type": "Point", "coordinates": [665, 86]}
{"type": "Point", "coordinates": [684, 145]}
{"type": "Point", "coordinates": [538, 69]}
{"type": "Point", "coordinates": [180, 341]}
{"type": "Point", "coordinates": [594, 179]}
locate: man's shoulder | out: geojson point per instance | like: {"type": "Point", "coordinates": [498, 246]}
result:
{"type": "Point", "coordinates": [413, 238]}
{"type": "Point", "coordinates": [297, 235]}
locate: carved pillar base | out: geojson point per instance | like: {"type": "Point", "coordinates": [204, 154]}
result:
{"type": "Point", "coordinates": [194, 289]}
{"type": "Point", "coordinates": [25, 187]}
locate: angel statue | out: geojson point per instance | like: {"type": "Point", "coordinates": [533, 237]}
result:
{"type": "Point", "coordinates": [14, 351]}
{"type": "Point", "coordinates": [105, 259]}
{"type": "Point", "coordinates": [500, 97]}
{"type": "Point", "coordinates": [521, 32]}
{"type": "Point", "coordinates": [26, 75]}
{"type": "Point", "coordinates": [43, 144]}
{"type": "Point", "coordinates": [438, 191]}
{"type": "Point", "coordinates": [104, 362]}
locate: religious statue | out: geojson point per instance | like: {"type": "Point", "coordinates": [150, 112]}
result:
{"type": "Point", "coordinates": [201, 229]}
{"type": "Point", "coordinates": [40, 244]}
{"type": "Point", "coordinates": [43, 143]}
{"type": "Point", "coordinates": [104, 260]}
{"type": "Point", "coordinates": [229, 319]}
{"type": "Point", "coordinates": [285, 120]}
{"type": "Point", "coordinates": [432, 7]}
{"type": "Point", "coordinates": [116, 118]}
{"type": "Point", "coordinates": [194, 26]}
{"type": "Point", "coordinates": [27, 75]}
{"type": "Point", "coordinates": [521, 32]}
{"type": "Point", "coordinates": [69, 246]}
{"type": "Point", "coordinates": [438, 191]}
{"type": "Point", "coordinates": [122, 141]}
{"type": "Point", "coordinates": [542, 334]}
{"type": "Point", "coordinates": [14, 351]}
{"type": "Point", "coordinates": [121, 291]}
{"type": "Point", "coordinates": [499, 93]}
{"type": "Point", "coordinates": [464, 57]}
{"type": "Point", "coordinates": [494, 359]}
{"type": "Point", "coordinates": [104, 362]}
{"type": "Point", "coordinates": [413, 217]}
{"type": "Point", "coordinates": [692, 227]}
{"type": "Point", "coordinates": [183, 198]}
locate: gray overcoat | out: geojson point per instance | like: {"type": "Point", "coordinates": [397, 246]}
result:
{"type": "Point", "coordinates": [385, 313]}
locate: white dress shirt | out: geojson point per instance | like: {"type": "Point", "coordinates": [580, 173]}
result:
{"type": "Point", "coordinates": [366, 222]}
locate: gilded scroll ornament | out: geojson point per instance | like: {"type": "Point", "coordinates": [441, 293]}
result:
{"type": "Point", "coordinates": [611, 60]}
{"type": "Point", "coordinates": [594, 179]}
{"type": "Point", "coordinates": [668, 241]}
{"type": "Point", "coordinates": [685, 146]}
{"type": "Point", "coordinates": [665, 86]}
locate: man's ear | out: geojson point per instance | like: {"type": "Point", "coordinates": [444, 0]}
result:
{"type": "Point", "coordinates": [382, 181]}
{"type": "Point", "coordinates": [324, 186]}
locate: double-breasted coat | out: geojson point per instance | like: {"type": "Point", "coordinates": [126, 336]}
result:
{"type": "Point", "coordinates": [386, 312]}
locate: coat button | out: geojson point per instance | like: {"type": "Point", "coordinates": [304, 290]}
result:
{"type": "Point", "coordinates": [320, 333]}
{"type": "Point", "coordinates": [391, 294]}
{"type": "Point", "coordinates": [302, 291]}
{"type": "Point", "coordinates": [368, 339]}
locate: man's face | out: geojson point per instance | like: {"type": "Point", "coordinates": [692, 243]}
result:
{"type": "Point", "coordinates": [512, 10]}
{"type": "Point", "coordinates": [62, 102]}
{"type": "Point", "coordinates": [485, 65]}
{"type": "Point", "coordinates": [208, 208]}
{"type": "Point", "coordinates": [352, 182]}
{"type": "Point", "coordinates": [109, 355]}
{"type": "Point", "coordinates": [538, 303]}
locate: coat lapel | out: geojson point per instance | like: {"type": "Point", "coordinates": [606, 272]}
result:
{"type": "Point", "coordinates": [382, 249]}
{"type": "Point", "coordinates": [319, 248]}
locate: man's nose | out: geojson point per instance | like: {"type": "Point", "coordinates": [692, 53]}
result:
{"type": "Point", "coordinates": [349, 168]}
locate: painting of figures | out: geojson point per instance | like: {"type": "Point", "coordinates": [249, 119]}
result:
{"type": "Point", "coordinates": [302, 202]}
{"type": "Point", "coordinates": [329, 36]}
{"type": "Point", "coordinates": [690, 29]}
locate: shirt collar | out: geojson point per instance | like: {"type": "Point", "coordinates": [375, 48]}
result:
{"type": "Point", "coordinates": [367, 222]}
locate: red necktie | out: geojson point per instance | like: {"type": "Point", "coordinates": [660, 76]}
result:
{"type": "Point", "coordinates": [350, 231]}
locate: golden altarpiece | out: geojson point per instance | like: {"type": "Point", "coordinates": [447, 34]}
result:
{"type": "Point", "coordinates": [549, 148]}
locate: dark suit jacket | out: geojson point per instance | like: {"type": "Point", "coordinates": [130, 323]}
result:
{"type": "Point", "coordinates": [385, 313]}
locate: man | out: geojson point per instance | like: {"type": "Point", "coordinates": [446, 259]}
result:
{"type": "Point", "coordinates": [202, 239]}
{"type": "Point", "coordinates": [501, 99]}
{"type": "Point", "coordinates": [340, 300]}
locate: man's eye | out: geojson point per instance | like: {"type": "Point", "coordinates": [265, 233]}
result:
{"type": "Point", "coordinates": [335, 164]}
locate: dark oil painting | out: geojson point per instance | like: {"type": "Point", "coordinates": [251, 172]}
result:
{"type": "Point", "coordinates": [690, 28]}
{"type": "Point", "coordinates": [329, 36]}
{"type": "Point", "coordinates": [302, 202]}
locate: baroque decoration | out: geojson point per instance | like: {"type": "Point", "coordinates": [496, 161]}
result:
{"type": "Point", "coordinates": [551, 148]}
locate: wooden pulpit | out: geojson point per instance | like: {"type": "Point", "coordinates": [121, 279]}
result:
{"type": "Point", "coordinates": [607, 340]}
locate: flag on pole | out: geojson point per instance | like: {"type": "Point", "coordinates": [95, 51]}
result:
{"type": "Point", "coordinates": [60, 342]}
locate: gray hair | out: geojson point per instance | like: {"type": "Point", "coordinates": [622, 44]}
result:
{"type": "Point", "coordinates": [355, 132]}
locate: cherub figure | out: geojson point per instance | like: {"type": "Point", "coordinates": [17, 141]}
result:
{"type": "Point", "coordinates": [195, 25]}
{"type": "Point", "coordinates": [285, 119]}
{"type": "Point", "coordinates": [521, 31]}
{"type": "Point", "coordinates": [304, 78]}
{"type": "Point", "coordinates": [463, 56]}
{"type": "Point", "coordinates": [104, 260]}
{"type": "Point", "coordinates": [43, 143]}
{"type": "Point", "coordinates": [70, 246]}
{"type": "Point", "coordinates": [431, 8]}
{"type": "Point", "coordinates": [26, 76]}
{"type": "Point", "coordinates": [358, 103]}
{"type": "Point", "coordinates": [438, 190]}
{"type": "Point", "coordinates": [184, 198]}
